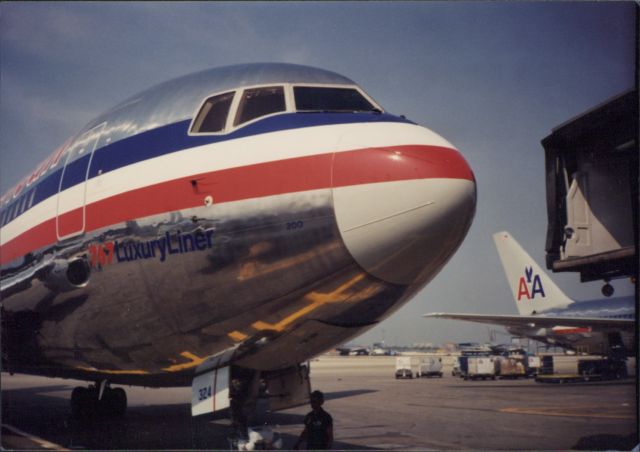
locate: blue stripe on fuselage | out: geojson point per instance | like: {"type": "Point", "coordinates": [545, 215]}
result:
{"type": "Point", "coordinates": [174, 137]}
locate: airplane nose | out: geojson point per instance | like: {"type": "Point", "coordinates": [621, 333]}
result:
{"type": "Point", "coordinates": [403, 211]}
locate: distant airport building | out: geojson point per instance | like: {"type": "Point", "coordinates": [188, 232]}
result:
{"type": "Point", "coordinates": [592, 192]}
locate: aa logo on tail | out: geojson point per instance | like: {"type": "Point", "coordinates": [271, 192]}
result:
{"type": "Point", "coordinates": [530, 285]}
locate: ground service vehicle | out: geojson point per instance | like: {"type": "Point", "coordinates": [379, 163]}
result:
{"type": "Point", "coordinates": [509, 367]}
{"type": "Point", "coordinates": [533, 365]}
{"type": "Point", "coordinates": [564, 369]}
{"type": "Point", "coordinates": [476, 367]}
{"type": "Point", "coordinates": [455, 371]}
{"type": "Point", "coordinates": [430, 367]}
{"type": "Point", "coordinates": [403, 367]}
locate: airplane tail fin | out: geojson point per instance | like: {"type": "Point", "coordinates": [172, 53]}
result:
{"type": "Point", "coordinates": [533, 290]}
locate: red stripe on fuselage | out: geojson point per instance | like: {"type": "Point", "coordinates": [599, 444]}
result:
{"type": "Point", "coordinates": [357, 167]}
{"type": "Point", "coordinates": [247, 182]}
{"type": "Point", "coordinates": [35, 238]}
{"type": "Point", "coordinates": [366, 166]}
{"type": "Point", "coordinates": [571, 330]}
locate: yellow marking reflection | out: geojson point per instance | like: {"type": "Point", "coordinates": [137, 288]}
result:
{"type": "Point", "coordinates": [237, 336]}
{"type": "Point", "coordinates": [336, 295]}
{"type": "Point", "coordinates": [255, 267]}
{"type": "Point", "coordinates": [317, 299]}
{"type": "Point", "coordinates": [195, 361]}
{"type": "Point", "coordinates": [281, 325]}
{"type": "Point", "coordinates": [113, 372]}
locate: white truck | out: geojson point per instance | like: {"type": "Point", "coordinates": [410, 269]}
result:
{"type": "Point", "coordinates": [474, 367]}
{"type": "Point", "coordinates": [430, 367]}
{"type": "Point", "coordinates": [403, 367]}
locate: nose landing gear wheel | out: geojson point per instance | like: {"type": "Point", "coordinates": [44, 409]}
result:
{"type": "Point", "coordinates": [85, 402]}
{"type": "Point", "coordinates": [114, 401]}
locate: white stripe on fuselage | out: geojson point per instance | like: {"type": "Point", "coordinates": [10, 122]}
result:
{"type": "Point", "coordinates": [235, 153]}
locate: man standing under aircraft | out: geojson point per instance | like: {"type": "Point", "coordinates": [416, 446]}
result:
{"type": "Point", "coordinates": [318, 426]}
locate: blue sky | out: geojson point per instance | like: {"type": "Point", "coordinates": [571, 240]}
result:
{"type": "Point", "coordinates": [492, 77]}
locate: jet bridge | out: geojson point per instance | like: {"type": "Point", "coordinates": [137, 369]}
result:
{"type": "Point", "coordinates": [592, 192]}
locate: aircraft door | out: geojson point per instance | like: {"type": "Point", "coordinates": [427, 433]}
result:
{"type": "Point", "coordinates": [578, 228]}
{"type": "Point", "coordinates": [70, 218]}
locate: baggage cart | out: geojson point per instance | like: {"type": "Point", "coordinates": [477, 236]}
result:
{"type": "Point", "coordinates": [509, 368]}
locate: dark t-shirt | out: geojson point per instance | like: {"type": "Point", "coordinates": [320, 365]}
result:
{"type": "Point", "coordinates": [317, 425]}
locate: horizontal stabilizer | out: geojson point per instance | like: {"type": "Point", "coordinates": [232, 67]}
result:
{"type": "Point", "coordinates": [535, 321]}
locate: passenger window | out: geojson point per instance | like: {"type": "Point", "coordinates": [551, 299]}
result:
{"type": "Point", "coordinates": [10, 215]}
{"type": "Point", "coordinates": [313, 98]}
{"type": "Point", "coordinates": [33, 195]}
{"type": "Point", "coordinates": [23, 198]}
{"type": "Point", "coordinates": [213, 114]}
{"type": "Point", "coordinates": [259, 102]}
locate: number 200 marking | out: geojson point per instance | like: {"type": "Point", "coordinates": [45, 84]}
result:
{"type": "Point", "coordinates": [295, 225]}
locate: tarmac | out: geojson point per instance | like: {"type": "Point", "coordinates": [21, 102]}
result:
{"type": "Point", "coordinates": [371, 411]}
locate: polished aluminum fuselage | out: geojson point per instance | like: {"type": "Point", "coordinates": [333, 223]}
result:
{"type": "Point", "coordinates": [259, 278]}
{"type": "Point", "coordinates": [218, 243]}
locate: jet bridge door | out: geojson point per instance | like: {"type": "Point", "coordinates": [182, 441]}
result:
{"type": "Point", "coordinates": [71, 207]}
{"type": "Point", "coordinates": [592, 191]}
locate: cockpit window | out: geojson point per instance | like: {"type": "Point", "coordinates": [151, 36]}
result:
{"type": "Point", "coordinates": [213, 114]}
{"type": "Point", "coordinates": [312, 98]}
{"type": "Point", "coordinates": [257, 102]}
